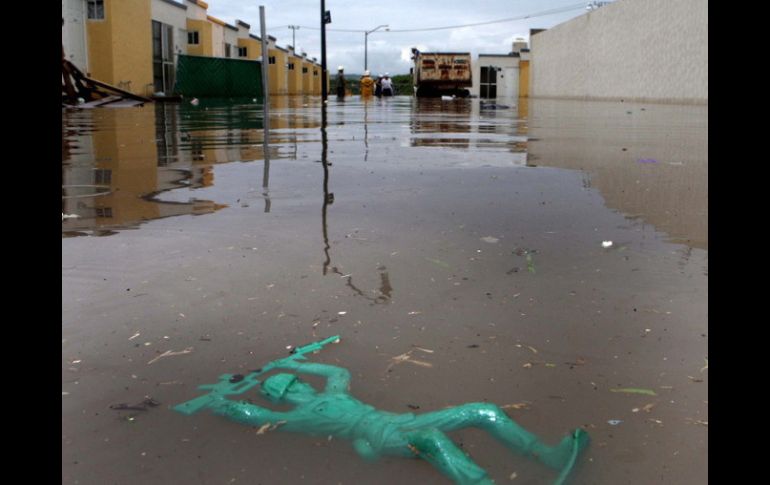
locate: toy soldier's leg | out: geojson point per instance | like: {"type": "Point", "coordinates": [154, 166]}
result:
{"type": "Point", "coordinates": [437, 449]}
{"type": "Point", "coordinates": [492, 419]}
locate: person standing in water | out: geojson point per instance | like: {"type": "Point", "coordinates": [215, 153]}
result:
{"type": "Point", "coordinates": [367, 85]}
{"type": "Point", "coordinates": [340, 82]}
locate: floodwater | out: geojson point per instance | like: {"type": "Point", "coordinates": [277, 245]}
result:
{"type": "Point", "coordinates": [470, 240]}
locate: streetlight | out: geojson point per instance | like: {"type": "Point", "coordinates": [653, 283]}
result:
{"type": "Point", "coordinates": [366, 43]}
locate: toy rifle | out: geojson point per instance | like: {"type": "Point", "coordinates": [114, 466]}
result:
{"type": "Point", "coordinates": [230, 384]}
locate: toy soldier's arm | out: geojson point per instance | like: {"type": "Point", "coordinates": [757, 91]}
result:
{"type": "Point", "coordinates": [249, 414]}
{"type": "Point", "coordinates": [338, 378]}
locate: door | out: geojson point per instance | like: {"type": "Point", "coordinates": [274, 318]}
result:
{"type": "Point", "coordinates": [488, 82]}
{"type": "Point", "coordinates": [163, 72]}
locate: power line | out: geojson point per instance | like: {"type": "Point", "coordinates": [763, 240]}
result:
{"type": "Point", "coordinates": [568, 8]}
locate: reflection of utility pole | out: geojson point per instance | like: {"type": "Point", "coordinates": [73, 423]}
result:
{"type": "Point", "coordinates": [385, 288]}
{"type": "Point", "coordinates": [328, 197]}
{"type": "Point", "coordinates": [294, 29]}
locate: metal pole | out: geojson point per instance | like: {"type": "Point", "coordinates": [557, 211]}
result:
{"type": "Point", "coordinates": [366, 51]}
{"type": "Point", "coordinates": [324, 93]}
{"type": "Point", "coordinates": [265, 64]}
{"type": "Point", "coordinates": [266, 103]}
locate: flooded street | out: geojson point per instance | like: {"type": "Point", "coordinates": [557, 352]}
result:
{"type": "Point", "coordinates": [475, 241]}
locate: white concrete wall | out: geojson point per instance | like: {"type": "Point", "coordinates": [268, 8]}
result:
{"type": "Point", "coordinates": [645, 50]}
{"type": "Point", "coordinates": [74, 32]}
{"type": "Point", "coordinates": [174, 16]}
{"type": "Point", "coordinates": [195, 11]}
{"type": "Point", "coordinates": [231, 37]}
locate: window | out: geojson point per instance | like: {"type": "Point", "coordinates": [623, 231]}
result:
{"type": "Point", "coordinates": [428, 64]}
{"type": "Point", "coordinates": [243, 52]}
{"type": "Point", "coordinates": [290, 66]}
{"type": "Point", "coordinates": [271, 60]}
{"type": "Point", "coordinates": [315, 72]}
{"type": "Point", "coordinates": [193, 38]}
{"type": "Point", "coordinates": [304, 70]}
{"type": "Point", "coordinates": [96, 9]}
{"type": "Point", "coordinates": [102, 176]}
{"type": "Point", "coordinates": [227, 50]}
{"type": "Point", "coordinates": [103, 211]}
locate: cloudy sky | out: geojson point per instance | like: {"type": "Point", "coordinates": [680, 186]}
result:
{"type": "Point", "coordinates": [389, 51]}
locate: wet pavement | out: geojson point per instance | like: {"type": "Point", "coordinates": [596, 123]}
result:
{"type": "Point", "coordinates": [476, 234]}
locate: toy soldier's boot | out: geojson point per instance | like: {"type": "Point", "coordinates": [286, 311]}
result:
{"type": "Point", "coordinates": [492, 419]}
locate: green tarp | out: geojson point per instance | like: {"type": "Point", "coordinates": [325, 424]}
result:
{"type": "Point", "coordinates": [206, 77]}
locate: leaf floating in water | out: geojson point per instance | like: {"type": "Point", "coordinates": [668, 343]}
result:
{"type": "Point", "coordinates": [632, 390]}
{"type": "Point", "coordinates": [438, 262]}
{"type": "Point", "coordinates": [530, 264]}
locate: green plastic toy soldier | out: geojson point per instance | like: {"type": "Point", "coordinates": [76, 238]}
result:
{"type": "Point", "coordinates": [334, 412]}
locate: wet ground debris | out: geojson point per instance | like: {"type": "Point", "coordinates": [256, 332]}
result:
{"type": "Point", "coordinates": [438, 262]}
{"type": "Point", "coordinates": [407, 357]}
{"type": "Point", "coordinates": [518, 405]}
{"type": "Point", "coordinates": [170, 353]}
{"type": "Point", "coordinates": [269, 427]}
{"type": "Point", "coordinates": [145, 405]}
{"type": "Point", "coordinates": [646, 408]}
{"type": "Point", "coordinates": [634, 390]}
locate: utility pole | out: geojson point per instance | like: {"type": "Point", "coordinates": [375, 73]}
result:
{"type": "Point", "coordinates": [326, 18]}
{"type": "Point", "coordinates": [294, 29]}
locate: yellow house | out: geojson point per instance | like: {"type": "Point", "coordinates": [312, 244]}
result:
{"type": "Point", "coordinates": [119, 48]}
{"type": "Point", "coordinates": [316, 90]}
{"type": "Point", "coordinates": [307, 75]}
{"type": "Point", "coordinates": [199, 29]}
{"type": "Point", "coordinates": [293, 72]}
{"type": "Point", "coordinates": [249, 46]}
{"type": "Point", "coordinates": [276, 74]}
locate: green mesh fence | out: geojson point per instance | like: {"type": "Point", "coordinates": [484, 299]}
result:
{"type": "Point", "coordinates": [207, 77]}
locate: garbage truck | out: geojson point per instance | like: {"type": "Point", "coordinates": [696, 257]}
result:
{"type": "Point", "coordinates": [441, 73]}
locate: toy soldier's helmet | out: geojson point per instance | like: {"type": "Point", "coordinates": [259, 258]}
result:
{"type": "Point", "coordinates": [275, 387]}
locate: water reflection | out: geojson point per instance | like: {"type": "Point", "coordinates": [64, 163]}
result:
{"type": "Point", "coordinates": [648, 161]}
{"type": "Point", "coordinates": [460, 123]}
{"type": "Point", "coordinates": [385, 289]}
{"type": "Point", "coordinates": [116, 164]}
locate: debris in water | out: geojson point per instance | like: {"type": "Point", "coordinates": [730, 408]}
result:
{"type": "Point", "coordinates": [518, 405]}
{"type": "Point", "coordinates": [614, 422]}
{"type": "Point", "coordinates": [530, 263]}
{"type": "Point", "coordinates": [407, 357]}
{"type": "Point", "coordinates": [134, 336]}
{"type": "Point", "coordinates": [606, 244]}
{"type": "Point", "coordinates": [148, 402]}
{"type": "Point", "coordinates": [632, 390]}
{"type": "Point", "coordinates": [490, 239]}
{"type": "Point", "coordinates": [169, 353]}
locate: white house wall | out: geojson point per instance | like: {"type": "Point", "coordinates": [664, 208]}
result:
{"type": "Point", "coordinates": [647, 50]}
{"type": "Point", "coordinates": [74, 32]}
